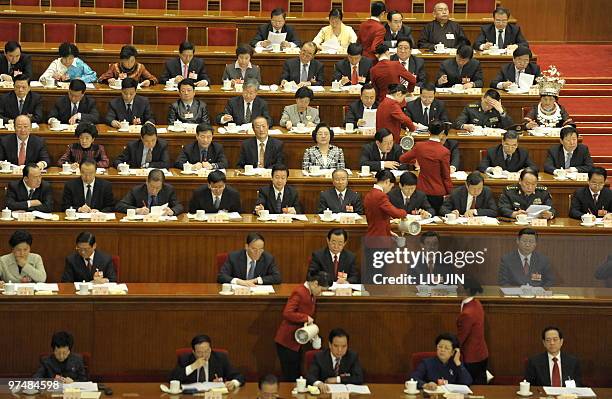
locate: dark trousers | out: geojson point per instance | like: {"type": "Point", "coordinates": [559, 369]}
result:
{"type": "Point", "coordinates": [436, 202]}
{"type": "Point", "coordinates": [291, 362]}
{"type": "Point", "coordinates": [478, 371]}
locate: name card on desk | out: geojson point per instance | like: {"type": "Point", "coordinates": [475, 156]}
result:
{"type": "Point", "coordinates": [218, 218]}
{"type": "Point", "coordinates": [539, 222]}
{"type": "Point", "coordinates": [474, 91]}
{"type": "Point", "coordinates": [25, 217]}
{"type": "Point", "coordinates": [98, 217]}
{"type": "Point", "coordinates": [284, 218]}
{"type": "Point", "coordinates": [242, 291]}
{"type": "Point", "coordinates": [25, 290]}
{"type": "Point", "coordinates": [582, 176]}
{"type": "Point", "coordinates": [150, 218]}
{"type": "Point", "coordinates": [607, 223]}
{"type": "Point", "coordinates": [344, 291]}
{"type": "Point", "coordinates": [513, 176]}
{"type": "Point", "coordinates": [534, 91]}
{"type": "Point", "coordinates": [340, 395]}
{"type": "Point", "coordinates": [99, 290]}
{"type": "Point", "coordinates": [474, 221]}
{"type": "Point", "coordinates": [213, 395]}
{"type": "Point", "coordinates": [346, 219]}
{"type": "Point", "coordinates": [72, 394]}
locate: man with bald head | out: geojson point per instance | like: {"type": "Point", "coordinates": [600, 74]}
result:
{"type": "Point", "coordinates": [441, 30]}
{"type": "Point", "coordinates": [22, 147]}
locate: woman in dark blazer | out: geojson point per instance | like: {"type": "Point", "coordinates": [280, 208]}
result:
{"type": "Point", "coordinates": [86, 132]}
{"type": "Point", "coordinates": [242, 70]}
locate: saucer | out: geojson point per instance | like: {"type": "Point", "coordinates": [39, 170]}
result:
{"type": "Point", "coordinates": [170, 89]}
{"type": "Point", "coordinates": [521, 223]}
{"type": "Point", "coordinates": [328, 293]}
{"type": "Point", "coordinates": [451, 222]}
{"type": "Point", "coordinates": [79, 293]}
{"type": "Point", "coordinates": [56, 129]}
{"type": "Point", "coordinates": [327, 219]}
{"type": "Point", "coordinates": [335, 90]}
{"type": "Point", "coordinates": [175, 392]}
{"type": "Point", "coordinates": [411, 392]}
{"type": "Point", "coordinates": [226, 293]}
{"type": "Point", "coordinates": [193, 172]}
{"type": "Point", "coordinates": [74, 218]}
{"type": "Point", "coordinates": [587, 224]}
{"type": "Point", "coordinates": [123, 130]}
{"type": "Point", "coordinates": [6, 171]}
{"type": "Point", "coordinates": [65, 173]}
{"type": "Point", "coordinates": [524, 394]}
{"type": "Point", "coordinates": [364, 175]}
{"type": "Point", "coordinates": [224, 89]}
{"type": "Point", "coordinates": [7, 219]}
{"type": "Point", "coordinates": [124, 173]}
{"type": "Point", "coordinates": [249, 174]}
{"type": "Point", "coordinates": [5, 293]}
{"type": "Point", "coordinates": [264, 220]}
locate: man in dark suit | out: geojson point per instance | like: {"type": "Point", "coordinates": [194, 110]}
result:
{"type": "Point", "coordinates": [31, 193]}
{"type": "Point", "coordinates": [489, 112]}
{"type": "Point", "coordinates": [250, 266]}
{"type": "Point", "coordinates": [278, 197]}
{"type": "Point", "coordinates": [335, 365]}
{"type": "Point", "coordinates": [427, 107]}
{"type": "Point", "coordinates": [383, 153]}
{"type": "Point", "coordinates": [187, 109]}
{"type": "Point", "coordinates": [387, 72]}
{"type": "Point", "coordinates": [340, 198]}
{"type": "Point", "coordinates": [414, 65]}
{"type": "Point", "coordinates": [148, 152]}
{"type": "Point", "coordinates": [517, 198]}
{"type": "Point", "coordinates": [87, 263]}
{"type": "Point", "coordinates": [261, 151]}
{"type": "Point", "coordinates": [131, 107]}
{"type": "Point", "coordinates": [595, 199]}
{"type": "Point", "coordinates": [441, 30]}
{"type": "Point", "coordinates": [471, 199]}
{"type": "Point", "coordinates": [155, 192]}
{"type": "Point", "coordinates": [569, 155]}
{"type": "Point", "coordinates": [371, 32]}
{"type": "Point", "coordinates": [453, 147]}
{"type": "Point", "coordinates": [553, 368]}
{"type": "Point", "coordinates": [604, 272]}
{"type": "Point", "coordinates": [500, 33]}
{"type": "Point", "coordinates": [408, 198]}
{"type": "Point", "coordinates": [23, 148]}
{"type": "Point", "coordinates": [395, 29]}
{"type": "Point", "coordinates": [355, 111]}
{"type": "Point", "coordinates": [245, 108]}
{"type": "Point", "coordinates": [507, 155]}
{"type": "Point", "coordinates": [14, 62]}
{"type": "Point", "coordinates": [525, 265]}
{"type": "Point", "coordinates": [340, 264]}
{"type": "Point", "coordinates": [354, 69]}
{"type": "Point", "coordinates": [206, 365]}
{"type": "Point", "coordinates": [186, 66]}
{"type": "Point", "coordinates": [21, 101]}
{"type": "Point", "coordinates": [463, 69]}
{"type": "Point", "coordinates": [215, 196]}
{"type": "Point", "coordinates": [203, 152]}
{"type": "Point", "coordinates": [87, 193]}
{"type": "Point", "coordinates": [303, 70]}
{"type": "Point", "coordinates": [62, 362]}
{"type": "Point", "coordinates": [277, 25]}
{"type": "Point", "coordinates": [510, 73]}
{"type": "Point", "coordinates": [430, 264]}
{"type": "Point", "coordinates": [76, 106]}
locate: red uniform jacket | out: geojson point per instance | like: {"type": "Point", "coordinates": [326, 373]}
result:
{"type": "Point", "coordinates": [434, 160]}
{"type": "Point", "coordinates": [388, 72]}
{"type": "Point", "coordinates": [300, 305]}
{"type": "Point", "coordinates": [390, 115]}
{"type": "Point", "coordinates": [371, 33]}
{"type": "Point", "coordinates": [470, 331]}
{"type": "Point", "coordinates": [379, 211]}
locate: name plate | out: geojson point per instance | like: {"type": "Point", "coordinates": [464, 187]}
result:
{"type": "Point", "coordinates": [513, 176]}
{"type": "Point", "coordinates": [98, 217]}
{"type": "Point", "coordinates": [474, 91]}
{"type": "Point", "coordinates": [72, 394]}
{"type": "Point", "coordinates": [539, 222]}
{"type": "Point", "coordinates": [534, 91]}
{"type": "Point", "coordinates": [344, 291]}
{"type": "Point", "coordinates": [99, 290]}
{"type": "Point", "coordinates": [340, 395]}
{"type": "Point", "coordinates": [25, 291]}
{"type": "Point", "coordinates": [474, 221]}
{"type": "Point", "coordinates": [345, 219]}
{"type": "Point", "coordinates": [217, 218]}
{"type": "Point", "coordinates": [213, 395]}
{"type": "Point", "coordinates": [284, 219]}
{"type": "Point", "coordinates": [267, 173]}
{"type": "Point", "coordinates": [242, 291]}
{"type": "Point", "coordinates": [582, 176]}
{"type": "Point", "coordinates": [150, 218]}
{"type": "Point", "coordinates": [25, 217]}
{"type": "Point", "coordinates": [607, 223]}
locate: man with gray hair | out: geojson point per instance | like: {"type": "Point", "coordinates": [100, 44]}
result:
{"type": "Point", "coordinates": [245, 108]}
{"type": "Point", "coordinates": [303, 70]}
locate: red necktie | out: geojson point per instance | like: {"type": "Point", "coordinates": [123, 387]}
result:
{"type": "Point", "coordinates": [22, 154]}
{"type": "Point", "coordinates": [336, 263]}
{"type": "Point", "coordinates": [354, 76]}
{"type": "Point", "coordinates": [556, 375]}
{"type": "Point", "coordinates": [526, 267]}
{"type": "Point", "coordinates": [185, 71]}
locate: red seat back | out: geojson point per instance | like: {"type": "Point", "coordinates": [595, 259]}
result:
{"type": "Point", "coordinates": [198, 5]}
{"type": "Point", "coordinates": [59, 33]}
{"type": "Point", "coordinates": [34, 3]}
{"type": "Point", "coordinates": [220, 258]}
{"type": "Point", "coordinates": [356, 6]}
{"type": "Point", "coordinates": [173, 35]}
{"type": "Point", "coordinates": [525, 111]}
{"type": "Point", "coordinates": [65, 3]}
{"type": "Point", "coordinates": [10, 30]}
{"type": "Point", "coordinates": [234, 5]}
{"type": "Point", "coordinates": [117, 264]}
{"type": "Point", "coordinates": [417, 357]}
{"type": "Point", "coordinates": [109, 3]}
{"type": "Point", "coordinates": [429, 4]}
{"type": "Point", "coordinates": [308, 358]}
{"type": "Point", "coordinates": [486, 6]}
{"type": "Point", "coordinates": [317, 6]}
{"type": "Point", "coordinates": [403, 6]}
{"type": "Point", "coordinates": [117, 34]}
{"type": "Point", "coordinates": [221, 36]}
{"type": "Point", "coordinates": [269, 5]}
{"type": "Point", "coordinates": [152, 4]}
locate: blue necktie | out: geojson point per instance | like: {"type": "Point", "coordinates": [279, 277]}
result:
{"type": "Point", "coordinates": [251, 273]}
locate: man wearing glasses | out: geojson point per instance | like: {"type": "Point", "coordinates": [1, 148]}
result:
{"type": "Point", "coordinates": [596, 199]}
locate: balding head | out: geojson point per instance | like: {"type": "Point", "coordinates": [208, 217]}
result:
{"type": "Point", "coordinates": [23, 127]}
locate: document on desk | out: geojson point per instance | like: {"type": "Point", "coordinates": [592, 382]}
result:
{"type": "Point", "coordinates": [43, 215]}
{"type": "Point", "coordinates": [277, 38]}
{"type": "Point", "coordinates": [369, 116]}
{"type": "Point", "coordinates": [262, 289]}
{"type": "Point", "coordinates": [336, 388]}
{"type": "Point", "coordinates": [354, 287]}
{"type": "Point", "coordinates": [457, 388]}
{"type": "Point", "coordinates": [525, 80]}
{"type": "Point", "coordinates": [535, 210]}
{"type": "Point", "coordinates": [86, 386]}
{"type": "Point", "coordinates": [87, 215]}
{"type": "Point", "coordinates": [358, 389]}
{"type": "Point", "coordinates": [204, 386]}
{"type": "Point", "coordinates": [580, 392]}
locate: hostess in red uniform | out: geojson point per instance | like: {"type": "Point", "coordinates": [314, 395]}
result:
{"type": "Point", "coordinates": [390, 115]}
{"type": "Point", "coordinates": [471, 335]}
{"type": "Point", "coordinates": [387, 72]}
{"type": "Point", "coordinates": [371, 31]}
{"type": "Point", "coordinates": [378, 209]}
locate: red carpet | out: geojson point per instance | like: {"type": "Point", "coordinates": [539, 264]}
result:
{"type": "Point", "coordinates": [577, 60]}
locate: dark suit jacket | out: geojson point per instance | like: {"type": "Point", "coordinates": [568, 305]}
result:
{"type": "Point", "coordinates": [198, 109]}
{"type": "Point", "coordinates": [139, 195]}
{"type": "Point", "coordinates": [581, 159]}
{"type": "Point", "coordinates": [355, 112]}
{"type": "Point", "coordinates": [511, 270]}
{"type": "Point", "coordinates": [62, 110]}
{"type": "Point", "coordinates": [73, 367]}
{"type": "Point", "coordinates": [262, 34]}
{"type": "Point", "coordinates": [172, 68]}
{"type": "Point", "coordinates": [495, 157]}
{"type": "Point", "coordinates": [236, 267]}
{"type": "Point", "coordinates": [450, 68]}
{"type": "Point", "coordinates": [9, 107]}
{"type": "Point", "coordinates": [36, 150]}
{"type": "Point", "coordinates": [437, 111]}
{"type": "Point", "coordinates": [132, 155]}
{"type": "Point", "coordinates": [370, 155]}
{"type": "Point", "coordinates": [321, 368]}
{"type": "Point", "coordinates": [453, 147]}
{"type": "Point", "coordinates": [321, 260]}
{"type": "Point", "coordinates": [432, 369]}
{"type": "Point", "coordinates": [274, 153]}
{"type": "Point", "coordinates": [582, 202]}
{"type": "Point", "coordinates": [416, 65]}
{"type": "Point", "coordinates": [293, 67]}
{"type": "Point", "coordinates": [218, 365]}
{"type": "Point", "coordinates": [102, 197]}
{"type": "Point", "coordinates": [343, 68]}
{"type": "Point", "coordinates": [488, 33]}
{"type": "Point", "coordinates": [17, 197]}
{"type": "Point", "coordinates": [191, 153]}
{"type": "Point", "coordinates": [202, 198]}
{"type": "Point", "coordinates": [75, 269]}
{"type": "Point", "coordinates": [235, 108]}
{"type": "Point", "coordinates": [265, 196]}
{"type": "Point", "coordinates": [418, 200]}
{"type": "Point", "coordinates": [405, 31]}
{"type": "Point", "coordinates": [24, 65]}
{"type": "Point", "coordinates": [507, 73]}
{"type": "Point", "coordinates": [485, 202]}
{"type": "Point", "coordinates": [604, 271]}
{"type": "Point", "coordinates": [328, 199]}
{"type": "Point", "coordinates": [140, 109]}
{"type": "Point", "coordinates": [538, 370]}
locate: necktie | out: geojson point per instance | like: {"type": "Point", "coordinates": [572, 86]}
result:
{"type": "Point", "coordinates": [304, 74]}
{"type": "Point", "coordinates": [262, 151]}
{"type": "Point", "coordinates": [341, 200]}
{"type": "Point", "coordinates": [518, 76]}
{"type": "Point", "coordinates": [149, 157]}
{"type": "Point", "coordinates": [10, 69]}
{"type": "Point", "coordinates": [88, 264]}
{"type": "Point", "coordinates": [595, 198]}
{"type": "Point", "coordinates": [336, 264]}
{"type": "Point", "coordinates": [526, 267]}
{"type": "Point", "coordinates": [426, 115]}
{"type": "Point", "coordinates": [88, 195]}
{"type": "Point", "coordinates": [204, 155]}
{"type": "Point", "coordinates": [217, 202]}
{"type": "Point", "coordinates": [153, 201]}
{"type": "Point", "coordinates": [473, 206]}
{"type": "Point", "coordinates": [20, 106]}
{"type": "Point", "coordinates": [185, 71]}
{"type": "Point", "coordinates": [22, 153]}
{"type": "Point", "coordinates": [279, 203]}
{"type": "Point", "coordinates": [568, 159]}
{"type": "Point", "coordinates": [404, 63]}
{"type": "Point", "coordinates": [430, 265]}
{"type": "Point", "coordinates": [406, 201]}
{"type": "Point", "coordinates": [354, 76]}
{"type": "Point", "coordinates": [507, 161]}
{"type": "Point", "coordinates": [75, 110]}
{"type": "Point", "coordinates": [500, 39]}
{"type": "Point", "coordinates": [460, 71]}
{"type": "Point", "coordinates": [337, 367]}
{"type": "Point", "coordinates": [247, 114]}
{"type": "Point", "coordinates": [251, 272]}
{"type": "Point", "coordinates": [31, 194]}
{"type": "Point", "coordinates": [384, 156]}
{"type": "Point", "coordinates": [187, 108]}
{"type": "Point", "coordinates": [556, 374]}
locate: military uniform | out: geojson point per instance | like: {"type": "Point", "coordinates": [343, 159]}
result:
{"type": "Point", "coordinates": [474, 114]}
{"type": "Point", "coordinates": [513, 199]}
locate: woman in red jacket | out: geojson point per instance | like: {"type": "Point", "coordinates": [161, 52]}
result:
{"type": "Point", "coordinates": [300, 309]}
{"type": "Point", "coordinates": [470, 331]}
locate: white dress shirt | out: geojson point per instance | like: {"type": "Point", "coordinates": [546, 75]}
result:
{"type": "Point", "coordinates": [551, 364]}
{"type": "Point", "coordinates": [248, 267]}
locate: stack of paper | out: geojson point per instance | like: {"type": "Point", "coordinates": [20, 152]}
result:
{"type": "Point", "coordinates": [83, 215]}
{"type": "Point", "coordinates": [110, 286]}
{"type": "Point", "coordinates": [354, 287]}
{"type": "Point", "coordinates": [459, 175]}
{"type": "Point", "coordinates": [43, 215]}
{"type": "Point", "coordinates": [87, 386]}
{"type": "Point", "coordinates": [580, 392]}
{"type": "Point", "coordinates": [274, 216]}
{"type": "Point", "coordinates": [204, 386]}
{"type": "Point", "coordinates": [456, 388]}
{"type": "Point", "coordinates": [351, 388]}
{"type": "Point", "coordinates": [336, 216]}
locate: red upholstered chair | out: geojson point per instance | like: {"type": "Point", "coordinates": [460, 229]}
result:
{"type": "Point", "coordinates": [220, 259]}
{"type": "Point", "coordinates": [234, 5]}
{"type": "Point", "coordinates": [219, 36]}
{"type": "Point", "coordinates": [317, 5]}
{"type": "Point", "coordinates": [308, 358]}
{"type": "Point", "coordinates": [65, 3]}
{"type": "Point", "coordinates": [486, 6]}
{"type": "Point", "coordinates": [59, 33]}
{"type": "Point", "coordinates": [108, 3]}
{"type": "Point", "coordinates": [403, 6]}
{"type": "Point", "coordinates": [34, 3]}
{"type": "Point", "coordinates": [417, 357]}
{"type": "Point", "coordinates": [117, 34]}
{"type": "Point", "coordinates": [152, 4]}
{"type": "Point", "coordinates": [10, 30]}
{"type": "Point", "coordinates": [174, 35]}
{"type": "Point", "coordinates": [269, 5]}
{"type": "Point", "coordinates": [429, 4]}
{"type": "Point", "coordinates": [117, 265]}
{"type": "Point", "coordinates": [85, 355]}
{"type": "Point", "coordinates": [182, 351]}
{"type": "Point", "coordinates": [483, 154]}
{"type": "Point", "coordinates": [356, 6]}
{"type": "Point", "coordinates": [525, 111]}
{"type": "Point", "coordinates": [198, 5]}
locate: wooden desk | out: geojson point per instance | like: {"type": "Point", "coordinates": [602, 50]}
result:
{"type": "Point", "coordinates": [329, 103]}
{"type": "Point", "coordinates": [133, 337]}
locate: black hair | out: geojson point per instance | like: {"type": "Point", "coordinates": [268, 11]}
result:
{"type": "Point", "coordinates": [77, 85]}
{"type": "Point", "coordinates": [186, 45]}
{"type": "Point", "coordinates": [11, 46]}
{"type": "Point", "coordinates": [567, 130]}
{"type": "Point", "coordinates": [62, 339]}
{"type": "Point", "coordinates": [381, 134]}
{"type": "Point", "coordinates": [304, 92]}
{"type": "Point", "coordinates": [67, 49]}
{"type": "Point", "coordinates": [216, 176]}
{"type": "Point", "coordinates": [18, 237]}
{"type": "Point", "coordinates": [501, 10]}
{"type": "Point", "coordinates": [21, 77]}
{"type": "Point", "coordinates": [26, 169]}
{"type": "Point", "coordinates": [127, 52]}
{"type": "Point", "coordinates": [406, 39]}
{"type": "Point", "coordinates": [268, 379]}
{"type": "Point", "coordinates": [528, 171]}
{"type": "Point", "coordinates": [86, 237]}
{"type": "Point", "coordinates": [86, 127]}
{"type": "Point", "coordinates": [377, 8]}
{"type": "Point", "coordinates": [337, 332]}
{"type": "Point", "coordinates": [408, 179]}
{"type": "Point", "coordinates": [391, 13]}
{"type": "Point", "coordinates": [522, 50]}
{"type": "Point", "coordinates": [354, 49]}
{"type": "Point", "coordinates": [156, 175]}
{"type": "Point", "coordinates": [551, 328]}
{"type": "Point", "coordinates": [336, 12]}
{"type": "Point", "coordinates": [597, 170]}
{"type": "Point", "coordinates": [397, 88]}
{"type": "Point", "coordinates": [148, 129]}
{"type": "Point", "coordinates": [429, 86]}
{"type": "Point", "coordinates": [338, 171]}
{"type": "Point", "coordinates": [203, 127]}
{"type": "Point", "coordinates": [384, 175]}
{"type": "Point", "coordinates": [278, 11]}
{"type": "Point", "coordinates": [280, 166]}
{"type": "Point", "coordinates": [198, 339]}
{"type": "Point", "coordinates": [465, 52]}
{"type": "Point", "coordinates": [87, 161]}
{"type": "Point", "coordinates": [436, 127]}
{"type": "Point", "coordinates": [129, 83]}
{"type": "Point", "coordinates": [320, 126]}
{"type": "Point", "coordinates": [448, 337]}
{"type": "Point", "coordinates": [510, 135]}
{"type": "Point", "coordinates": [186, 82]}
{"type": "Point", "coordinates": [320, 277]}
{"type": "Point", "coordinates": [244, 48]}
{"type": "Point", "coordinates": [492, 93]}
{"type": "Point", "coordinates": [336, 232]}
{"type": "Point", "coordinates": [429, 234]}
{"type": "Point", "coordinates": [527, 231]}
{"type": "Point", "coordinates": [367, 86]}
{"type": "Point", "coordinates": [253, 236]}
{"type": "Point", "coordinates": [472, 286]}
{"type": "Point", "coordinates": [381, 49]}
{"type": "Point", "coordinates": [474, 178]}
